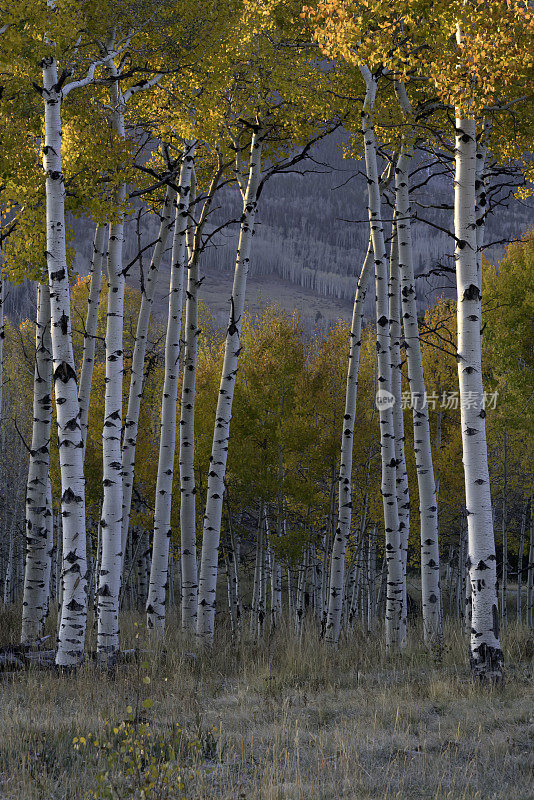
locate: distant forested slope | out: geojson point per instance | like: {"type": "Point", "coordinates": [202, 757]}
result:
{"type": "Point", "coordinates": [310, 240]}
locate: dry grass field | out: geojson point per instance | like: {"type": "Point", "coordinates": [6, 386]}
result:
{"type": "Point", "coordinates": [287, 720]}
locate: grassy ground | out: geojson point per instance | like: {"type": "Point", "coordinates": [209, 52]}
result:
{"type": "Point", "coordinates": [286, 720]}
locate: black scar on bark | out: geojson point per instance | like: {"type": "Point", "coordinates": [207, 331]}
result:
{"type": "Point", "coordinates": [472, 292]}
{"type": "Point", "coordinates": [59, 275]}
{"type": "Point", "coordinates": [70, 497]}
{"type": "Point", "coordinates": [64, 324]}
{"type": "Point", "coordinates": [74, 606]}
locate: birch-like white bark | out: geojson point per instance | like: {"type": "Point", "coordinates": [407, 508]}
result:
{"type": "Point", "coordinates": [403, 494]}
{"type": "Point", "coordinates": [256, 587]}
{"type": "Point", "coordinates": [162, 513]}
{"type": "Point", "coordinates": [188, 528]}
{"type": "Point", "coordinates": [430, 571]}
{"type": "Point", "coordinates": [264, 579]}
{"type": "Point", "coordinates": [230, 589]}
{"type": "Point", "coordinates": [233, 558]}
{"type": "Point", "coordinates": [481, 198]}
{"type": "Point", "coordinates": [371, 584]}
{"type": "Point", "coordinates": [276, 590]}
{"type": "Point", "coordinates": [39, 518]}
{"type": "Point", "coordinates": [395, 573]}
{"type": "Point", "coordinates": [91, 321]}
{"type": "Point", "coordinates": [219, 453]}
{"type": "Point", "coordinates": [72, 627]}
{"type": "Point", "coordinates": [109, 576]}
{"type": "Point", "coordinates": [301, 587]}
{"type": "Point", "coordinates": [131, 421]}
{"type": "Point", "coordinates": [337, 561]}
{"type": "Point", "coordinates": [485, 649]}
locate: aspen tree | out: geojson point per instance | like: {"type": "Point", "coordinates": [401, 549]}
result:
{"type": "Point", "coordinates": [162, 513]}
{"type": "Point", "coordinates": [70, 444]}
{"type": "Point", "coordinates": [39, 518]}
{"type": "Point", "coordinates": [395, 580]}
{"type": "Point", "coordinates": [131, 422]}
{"type": "Point", "coordinates": [89, 338]}
{"type": "Point", "coordinates": [430, 584]}
{"type": "Point", "coordinates": [61, 36]}
{"type": "Point", "coordinates": [219, 454]}
{"type": "Point", "coordinates": [267, 121]}
{"type": "Point", "coordinates": [188, 490]}
{"type": "Point", "coordinates": [475, 55]}
{"type": "Point", "coordinates": [403, 497]}
{"type": "Point", "coordinates": [337, 568]}
{"type": "Point", "coordinates": [112, 553]}
{"type": "Point", "coordinates": [337, 562]}
{"type": "Point", "coordinates": [336, 36]}
{"type": "Point", "coordinates": [188, 530]}
{"type": "Point", "coordinates": [486, 655]}
{"type": "Point", "coordinates": [109, 576]}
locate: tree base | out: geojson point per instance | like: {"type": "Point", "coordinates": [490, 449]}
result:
{"type": "Point", "coordinates": [487, 664]}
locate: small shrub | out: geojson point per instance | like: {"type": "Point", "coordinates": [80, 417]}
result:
{"type": "Point", "coordinates": [135, 760]}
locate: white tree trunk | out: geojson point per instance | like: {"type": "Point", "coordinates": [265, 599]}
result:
{"type": "Point", "coordinates": [485, 650]}
{"type": "Point", "coordinates": [276, 591]}
{"type": "Point", "coordinates": [301, 588]}
{"type": "Point", "coordinates": [430, 571]}
{"type": "Point", "coordinates": [403, 494]}
{"type": "Point", "coordinates": [162, 514]}
{"type": "Point", "coordinates": [233, 557]}
{"type": "Point", "coordinates": [219, 453]}
{"type": "Point", "coordinates": [89, 338]}
{"type": "Point", "coordinates": [481, 200]}
{"type": "Point", "coordinates": [39, 518]}
{"type": "Point", "coordinates": [395, 573]}
{"type": "Point", "coordinates": [109, 577]}
{"type": "Point", "coordinates": [256, 587]}
{"type": "Point", "coordinates": [74, 578]}
{"type": "Point", "coordinates": [230, 588]}
{"type": "Point", "coordinates": [337, 562]}
{"type": "Point", "coordinates": [188, 530]}
{"type": "Point", "coordinates": [131, 421]}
